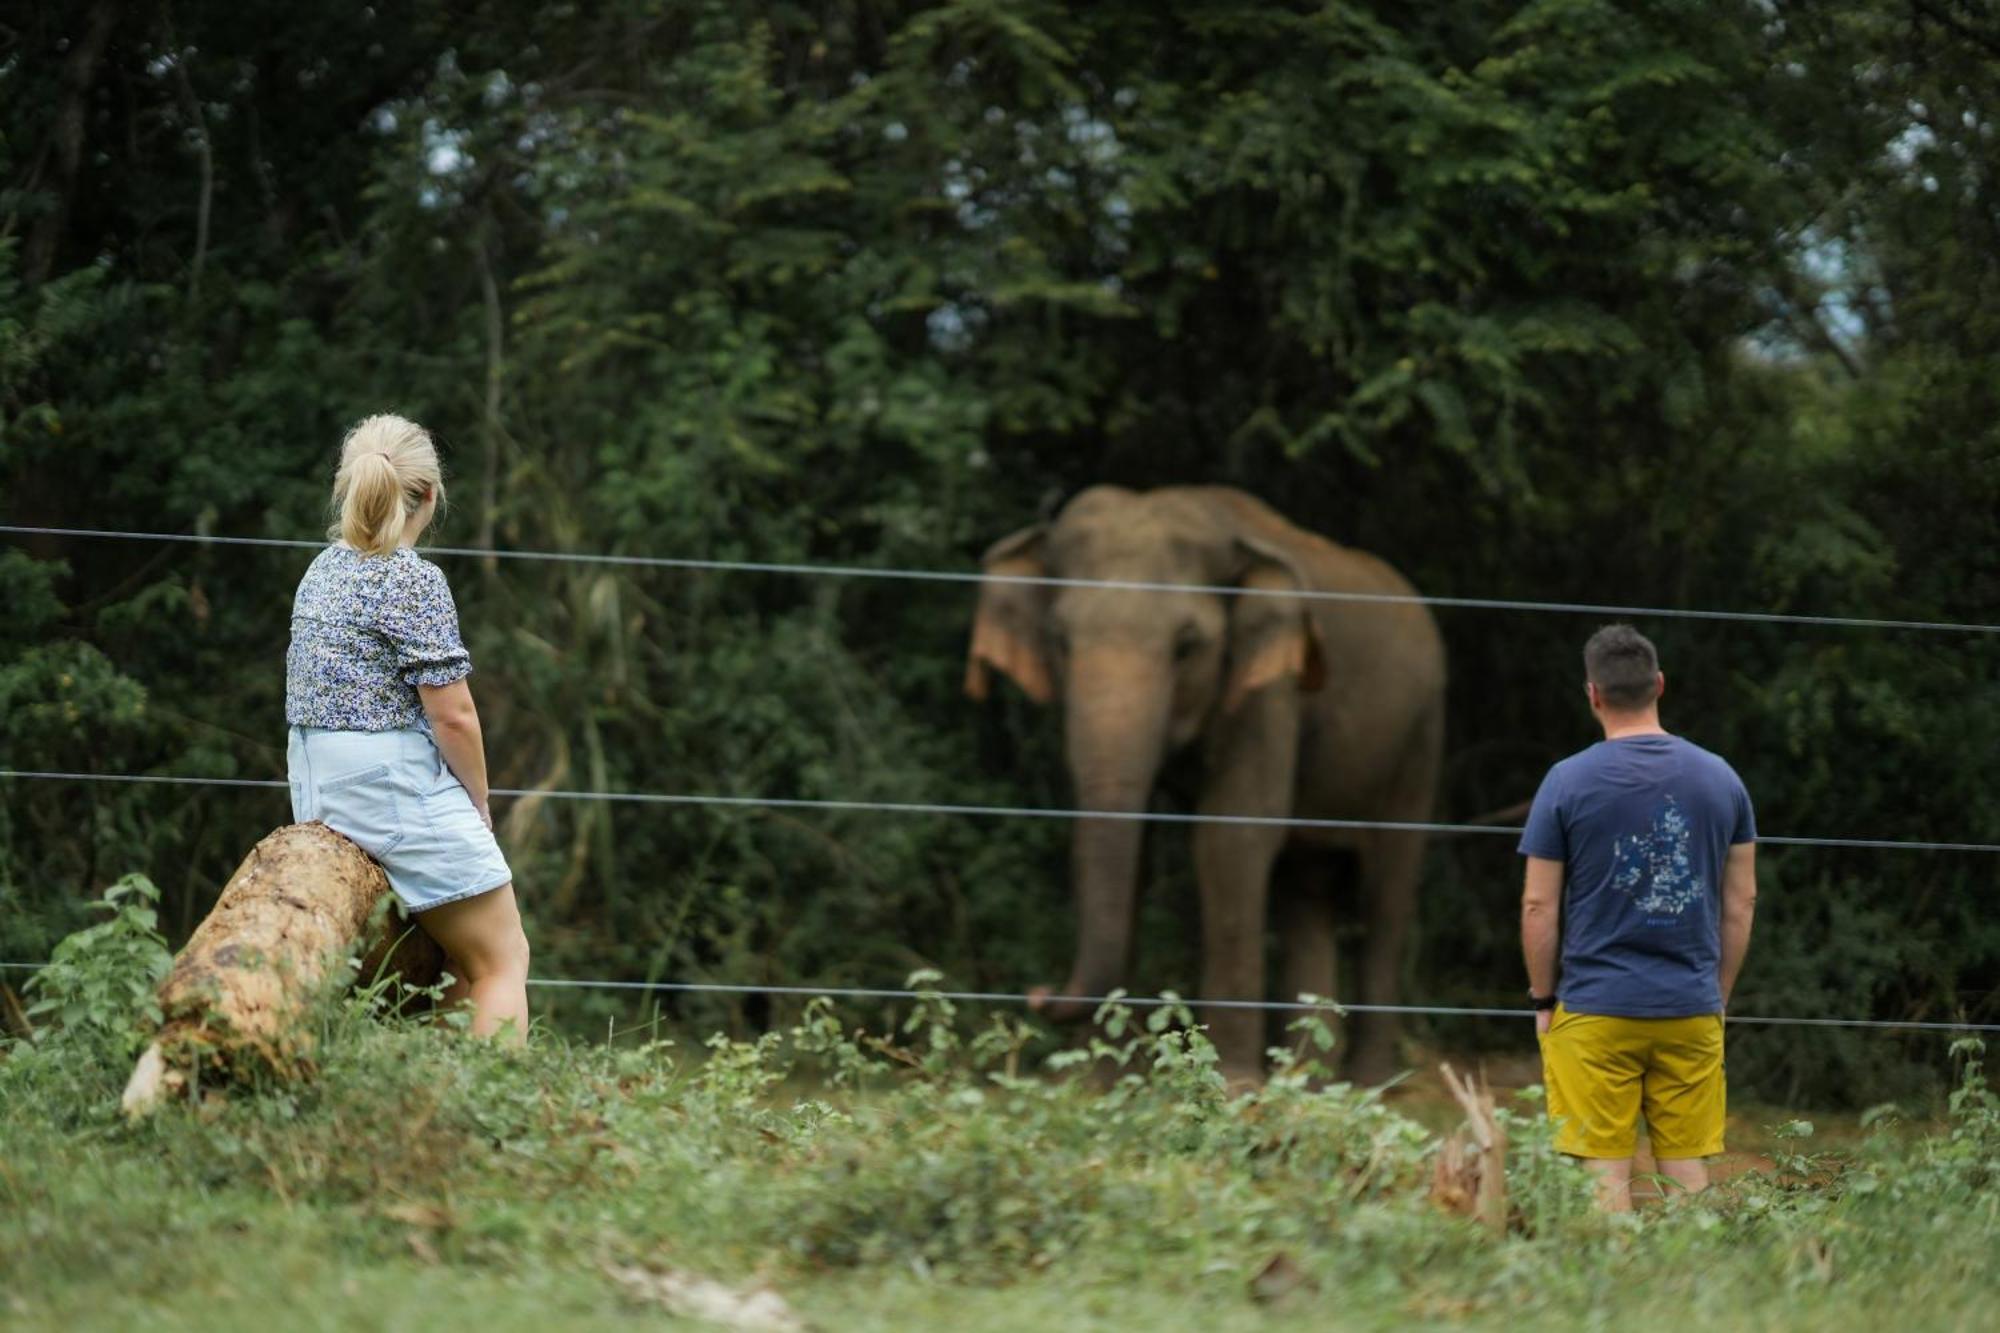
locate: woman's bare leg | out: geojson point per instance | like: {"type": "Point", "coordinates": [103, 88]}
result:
{"type": "Point", "coordinates": [489, 953]}
{"type": "Point", "coordinates": [457, 993]}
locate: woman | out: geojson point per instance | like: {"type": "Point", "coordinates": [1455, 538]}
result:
{"type": "Point", "coordinates": [385, 744]}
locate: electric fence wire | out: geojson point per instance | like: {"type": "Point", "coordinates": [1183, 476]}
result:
{"type": "Point", "coordinates": [1046, 581]}
{"type": "Point", "coordinates": [1333, 1008]}
{"type": "Point", "coordinates": [925, 808]}
{"type": "Point", "coordinates": [986, 811]}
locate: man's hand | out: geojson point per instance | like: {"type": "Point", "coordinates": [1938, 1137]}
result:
{"type": "Point", "coordinates": [1543, 1017]}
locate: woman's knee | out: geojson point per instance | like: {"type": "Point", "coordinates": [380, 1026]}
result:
{"type": "Point", "coordinates": [502, 951]}
{"type": "Point", "coordinates": [482, 935]}
{"type": "Point", "coordinates": [515, 952]}
{"type": "Point", "coordinates": [502, 955]}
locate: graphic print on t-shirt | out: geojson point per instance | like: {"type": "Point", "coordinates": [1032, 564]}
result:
{"type": "Point", "coordinates": [1655, 869]}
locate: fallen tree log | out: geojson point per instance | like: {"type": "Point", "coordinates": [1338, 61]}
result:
{"type": "Point", "coordinates": [234, 1006]}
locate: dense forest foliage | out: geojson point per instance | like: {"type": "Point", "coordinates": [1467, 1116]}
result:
{"type": "Point", "coordinates": [1658, 304]}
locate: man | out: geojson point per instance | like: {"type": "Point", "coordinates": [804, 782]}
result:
{"type": "Point", "coordinates": [1641, 882]}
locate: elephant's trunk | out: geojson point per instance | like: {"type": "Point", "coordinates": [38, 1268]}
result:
{"type": "Point", "coordinates": [1116, 708]}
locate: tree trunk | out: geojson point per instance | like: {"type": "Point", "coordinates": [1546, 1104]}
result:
{"type": "Point", "coordinates": [80, 70]}
{"type": "Point", "coordinates": [303, 902]}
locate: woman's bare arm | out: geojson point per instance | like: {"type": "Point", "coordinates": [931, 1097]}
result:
{"type": "Point", "coordinates": [455, 724]}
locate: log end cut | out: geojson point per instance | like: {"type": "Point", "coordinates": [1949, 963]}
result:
{"type": "Point", "coordinates": [303, 902]}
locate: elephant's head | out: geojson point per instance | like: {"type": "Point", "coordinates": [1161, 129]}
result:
{"type": "Point", "coordinates": [1139, 673]}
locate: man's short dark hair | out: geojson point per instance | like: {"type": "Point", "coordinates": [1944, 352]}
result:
{"type": "Point", "coordinates": [1623, 665]}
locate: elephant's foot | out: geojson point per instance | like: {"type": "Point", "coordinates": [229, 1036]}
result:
{"type": "Point", "coordinates": [1045, 1003]}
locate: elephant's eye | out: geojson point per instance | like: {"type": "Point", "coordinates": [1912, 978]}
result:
{"type": "Point", "coordinates": [1059, 641]}
{"type": "Point", "coordinates": [1186, 643]}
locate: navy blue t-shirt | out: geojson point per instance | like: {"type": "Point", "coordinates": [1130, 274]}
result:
{"type": "Point", "coordinates": [1643, 825]}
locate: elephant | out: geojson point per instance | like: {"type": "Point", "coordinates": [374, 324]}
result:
{"type": "Point", "coordinates": [1306, 708]}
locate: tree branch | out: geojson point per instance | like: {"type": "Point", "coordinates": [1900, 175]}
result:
{"type": "Point", "coordinates": [192, 105]}
{"type": "Point", "coordinates": [79, 76]}
{"type": "Point", "coordinates": [489, 481]}
{"type": "Point", "coordinates": [1941, 16]}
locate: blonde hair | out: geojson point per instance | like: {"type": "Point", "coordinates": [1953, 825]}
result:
{"type": "Point", "coordinates": [387, 465]}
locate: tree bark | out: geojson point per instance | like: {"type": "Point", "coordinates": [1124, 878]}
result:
{"type": "Point", "coordinates": [235, 1004]}
{"type": "Point", "coordinates": [489, 420]}
{"type": "Point", "coordinates": [80, 71]}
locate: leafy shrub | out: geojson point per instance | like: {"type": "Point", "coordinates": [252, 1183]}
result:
{"type": "Point", "coordinates": [99, 986]}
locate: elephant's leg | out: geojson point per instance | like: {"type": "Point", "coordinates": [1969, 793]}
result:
{"type": "Point", "coordinates": [1390, 865]}
{"type": "Point", "coordinates": [1303, 914]}
{"type": "Point", "coordinates": [1251, 757]}
{"type": "Point", "coordinates": [1233, 864]}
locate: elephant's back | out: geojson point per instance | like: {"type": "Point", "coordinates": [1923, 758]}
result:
{"type": "Point", "coordinates": [1390, 651]}
{"type": "Point", "coordinates": [1327, 565]}
{"type": "Point", "coordinates": [1406, 629]}
{"type": "Point", "coordinates": [1386, 675]}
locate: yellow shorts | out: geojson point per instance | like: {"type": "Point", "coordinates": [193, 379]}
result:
{"type": "Point", "coordinates": [1601, 1072]}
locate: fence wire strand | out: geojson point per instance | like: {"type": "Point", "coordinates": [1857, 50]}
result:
{"type": "Point", "coordinates": [1329, 1008]}
{"type": "Point", "coordinates": [1020, 812]}
{"type": "Point", "coordinates": [807, 570]}
{"type": "Point", "coordinates": [988, 811]}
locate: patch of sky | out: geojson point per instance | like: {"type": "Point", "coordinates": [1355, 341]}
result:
{"type": "Point", "coordinates": [1094, 135]}
{"type": "Point", "coordinates": [1908, 148]}
{"type": "Point", "coordinates": [444, 149]}
{"type": "Point", "coordinates": [1845, 281]}
{"type": "Point", "coordinates": [951, 326]}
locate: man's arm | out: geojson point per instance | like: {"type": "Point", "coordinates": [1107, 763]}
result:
{"type": "Point", "coordinates": [1739, 906]}
{"type": "Point", "coordinates": [1541, 905]}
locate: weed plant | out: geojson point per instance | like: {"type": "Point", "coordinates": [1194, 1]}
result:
{"type": "Point", "coordinates": [917, 1177]}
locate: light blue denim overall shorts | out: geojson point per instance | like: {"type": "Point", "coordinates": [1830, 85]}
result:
{"type": "Point", "coordinates": [394, 796]}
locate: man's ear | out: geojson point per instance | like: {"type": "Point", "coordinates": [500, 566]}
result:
{"type": "Point", "coordinates": [1008, 629]}
{"type": "Point", "coordinates": [1271, 637]}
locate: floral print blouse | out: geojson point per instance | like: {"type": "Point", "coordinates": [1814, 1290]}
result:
{"type": "Point", "coordinates": [366, 631]}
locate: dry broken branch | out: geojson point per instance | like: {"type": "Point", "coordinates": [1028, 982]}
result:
{"type": "Point", "coordinates": [1470, 1178]}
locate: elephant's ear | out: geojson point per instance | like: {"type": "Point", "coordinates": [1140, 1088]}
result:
{"type": "Point", "coordinates": [1007, 629]}
{"type": "Point", "coordinates": [1270, 637]}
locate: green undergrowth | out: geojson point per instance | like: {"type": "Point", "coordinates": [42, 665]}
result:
{"type": "Point", "coordinates": [919, 1177]}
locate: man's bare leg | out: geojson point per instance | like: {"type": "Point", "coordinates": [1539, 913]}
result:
{"type": "Point", "coordinates": [1614, 1182]}
{"type": "Point", "coordinates": [1690, 1173]}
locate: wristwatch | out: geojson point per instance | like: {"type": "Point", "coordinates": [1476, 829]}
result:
{"type": "Point", "coordinates": [1541, 1001]}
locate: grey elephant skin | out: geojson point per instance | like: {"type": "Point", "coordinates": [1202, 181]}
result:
{"type": "Point", "coordinates": [1301, 707]}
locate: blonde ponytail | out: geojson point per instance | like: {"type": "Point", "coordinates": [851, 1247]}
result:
{"type": "Point", "coordinates": [387, 466]}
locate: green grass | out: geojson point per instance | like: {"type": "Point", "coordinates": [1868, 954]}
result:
{"type": "Point", "coordinates": [935, 1176]}
{"type": "Point", "coordinates": [423, 1181]}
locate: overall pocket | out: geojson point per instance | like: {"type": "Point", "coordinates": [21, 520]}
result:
{"type": "Point", "coordinates": [366, 807]}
